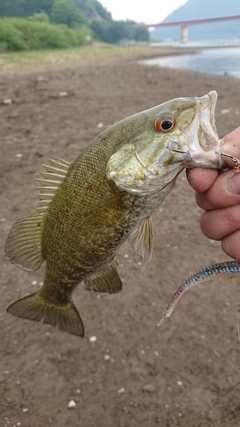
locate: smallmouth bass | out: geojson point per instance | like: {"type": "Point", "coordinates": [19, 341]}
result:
{"type": "Point", "coordinates": [88, 208]}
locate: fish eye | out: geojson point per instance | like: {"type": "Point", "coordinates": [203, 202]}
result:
{"type": "Point", "coordinates": [165, 124]}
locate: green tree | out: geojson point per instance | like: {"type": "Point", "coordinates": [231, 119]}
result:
{"type": "Point", "coordinates": [39, 17]}
{"type": "Point", "coordinates": [10, 37]}
{"type": "Point", "coordinates": [101, 30]}
{"type": "Point", "coordinates": [141, 34]}
{"type": "Point", "coordinates": [120, 30]}
{"type": "Point", "coordinates": [24, 8]}
{"type": "Point", "coordinates": [92, 9]}
{"type": "Point", "coordinates": [115, 31]}
{"type": "Point", "coordinates": [20, 33]}
{"type": "Point", "coordinates": [66, 12]}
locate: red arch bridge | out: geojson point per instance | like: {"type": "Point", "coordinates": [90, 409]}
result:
{"type": "Point", "coordinates": [185, 24]}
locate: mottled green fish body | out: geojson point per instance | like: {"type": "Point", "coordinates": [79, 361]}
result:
{"type": "Point", "coordinates": [88, 208]}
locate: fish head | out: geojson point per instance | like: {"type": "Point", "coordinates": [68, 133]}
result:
{"type": "Point", "coordinates": [177, 134]}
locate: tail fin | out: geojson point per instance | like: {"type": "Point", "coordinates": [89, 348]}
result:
{"type": "Point", "coordinates": [35, 307]}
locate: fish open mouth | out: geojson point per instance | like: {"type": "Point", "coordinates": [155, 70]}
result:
{"type": "Point", "coordinates": [207, 110]}
{"type": "Point", "coordinates": [204, 144]}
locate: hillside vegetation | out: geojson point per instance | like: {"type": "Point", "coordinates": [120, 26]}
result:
{"type": "Point", "coordinates": [44, 24]}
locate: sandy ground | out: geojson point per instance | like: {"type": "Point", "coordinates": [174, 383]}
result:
{"type": "Point", "coordinates": [185, 373]}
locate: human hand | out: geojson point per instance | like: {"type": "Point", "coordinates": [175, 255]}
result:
{"type": "Point", "coordinates": [218, 193]}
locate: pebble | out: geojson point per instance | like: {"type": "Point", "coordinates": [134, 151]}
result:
{"type": "Point", "coordinates": [72, 404]}
{"type": "Point", "coordinates": [34, 282]}
{"type": "Point", "coordinates": [100, 125]}
{"type": "Point", "coordinates": [25, 410]}
{"type": "Point", "coordinates": [179, 383]}
{"type": "Point", "coordinates": [150, 388]}
{"type": "Point", "coordinates": [225, 111]}
{"type": "Point", "coordinates": [121, 390]}
{"type": "Point", "coordinates": [62, 93]}
{"type": "Point", "coordinates": [40, 78]}
{"type": "Point", "coordinates": [93, 339]}
{"type": "Point", "coordinates": [19, 155]}
{"type": "Point", "coordinates": [7, 101]}
{"type": "Point", "coordinates": [106, 357]}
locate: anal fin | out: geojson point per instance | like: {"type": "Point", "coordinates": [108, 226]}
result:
{"type": "Point", "coordinates": [141, 239]}
{"type": "Point", "coordinates": [106, 280]}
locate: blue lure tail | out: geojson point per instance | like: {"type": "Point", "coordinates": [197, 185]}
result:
{"type": "Point", "coordinates": [230, 269]}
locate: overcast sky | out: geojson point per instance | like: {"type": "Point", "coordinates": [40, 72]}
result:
{"type": "Point", "coordinates": [147, 11]}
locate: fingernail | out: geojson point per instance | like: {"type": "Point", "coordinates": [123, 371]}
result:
{"type": "Point", "coordinates": [234, 183]}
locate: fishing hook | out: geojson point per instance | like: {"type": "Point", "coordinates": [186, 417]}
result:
{"type": "Point", "coordinates": [236, 168]}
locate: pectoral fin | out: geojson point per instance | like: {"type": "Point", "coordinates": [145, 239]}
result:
{"type": "Point", "coordinates": [141, 239]}
{"type": "Point", "coordinates": [106, 280]}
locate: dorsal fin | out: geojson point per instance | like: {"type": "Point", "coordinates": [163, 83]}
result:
{"type": "Point", "coordinates": [141, 239]}
{"type": "Point", "coordinates": [52, 178]}
{"type": "Point", "coordinates": [24, 246]}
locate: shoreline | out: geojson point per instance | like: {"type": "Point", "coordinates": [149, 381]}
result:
{"type": "Point", "coordinates": [206, 60]}
{"type": "Point", "coordinates": [47, 60]}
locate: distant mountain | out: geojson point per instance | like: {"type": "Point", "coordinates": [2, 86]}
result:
{"type": "Point", "coordinates": [196, 9]}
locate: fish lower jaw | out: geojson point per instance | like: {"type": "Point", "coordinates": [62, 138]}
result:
{"type": "Point", "coordinates": [205, 159]}
{"type": "Point", "coordinates": [202, 162]}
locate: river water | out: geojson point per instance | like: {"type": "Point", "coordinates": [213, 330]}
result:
{"type": "Point", "coordinates": [212, 60]}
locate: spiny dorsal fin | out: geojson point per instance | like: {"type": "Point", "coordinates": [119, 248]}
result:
{"type": "Point", "coordinates": [50, 181]}
{"type": "Point", "coordinates": [23, 245]}
{"type": "Point", "coordinates": [106, 280]}
{"type": "Point", "coordinates": [141, 239]}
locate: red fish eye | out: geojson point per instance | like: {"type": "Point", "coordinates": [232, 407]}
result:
{"type": "Point", "coordinates": [164, 125]}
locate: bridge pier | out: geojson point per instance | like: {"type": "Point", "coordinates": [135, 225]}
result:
{"type": "Point", "coordinates": [184, 34]}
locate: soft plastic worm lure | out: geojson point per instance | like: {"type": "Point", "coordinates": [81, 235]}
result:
{"type": "Point", "coordinates": [229, 269]}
